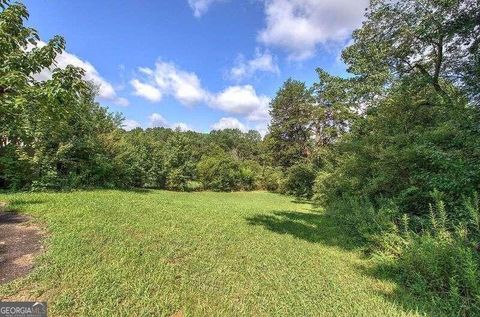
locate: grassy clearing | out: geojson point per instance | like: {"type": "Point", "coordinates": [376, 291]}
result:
{"type": "Point", "coordinates": [117, 253]}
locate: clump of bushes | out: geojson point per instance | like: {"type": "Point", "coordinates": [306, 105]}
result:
{"type": "Point", "coordinates": [437, 258]}
{"type": "Point", "coordinates": [299, 180]}
{"type": "Point", "coordinates": [444, 269]}
{"type": "Point", "coordinates": [270, 179]}
{"type": "Point", "coordinates": [224, 173]}
{"type": "Point", "coordinates": [443, 261]}
{"type": "Point", "coordinates": [362, 217]}
{"type": "Point", "coordinates": [177, 180]}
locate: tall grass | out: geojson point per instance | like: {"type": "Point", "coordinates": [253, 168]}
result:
{"type": "Point", "coordinates": [436, 259]}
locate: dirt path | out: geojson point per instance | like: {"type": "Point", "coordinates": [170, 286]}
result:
{"type": "Point", "coordinates": [20, 242]}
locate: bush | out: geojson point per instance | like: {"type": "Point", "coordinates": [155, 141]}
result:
{"type": "Point", "coordinates": [193, 186]}
{"type": "Point", "coordinates": [440, 262]}
{"type": "Point", "coordinates": [321, 187]}
{"type": "Point", "coordinates": [300, 180]}
{"type": "Point", "coordinates": [270, 179]}
{"type": "Point", "coordinates": [444, 269]}
{"type": "Point", "coordinates": [249, 171]}
{"type": "Point", "coordinates": [177, 180]}
{"type": "Point", "coordinates": [361, 217]}
{"type": "Point", "coordinates": [444, 261]}
{"type": "Point", "coordinates": [221, 173]}
{"type": "Point", "coordinates": [49, 180]}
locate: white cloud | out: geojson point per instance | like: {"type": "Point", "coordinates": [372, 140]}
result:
{"type": "Point", "coordinates": [156, 120]}
{"type": "Point", "coordinates": [167, 79]}
{"type": "Point", "coordinates": [122, 101]}
{"type": "Point", "coordinates": [262, 129]}
{"type": "Point", "coordinates": [105, 89]}
{"type": "Point", "coordinates": [182, 126]}
{"type": "Point", "coordinates": [186, 87]}
{"type": "Point", "coordinates": [200, 7]}
{"type": "Point", "coordinates": [298, 26]}
{"type": "Point", "coordinates": [130, 124]}
{"type": "Point", "coordinates": [242, 100]}
{"type": "Point", "coordinates": [263, 62]}
{"type": "Point", "coordinates": [229, 123]}
{"type": "Point", "coordinates": [146, 91]}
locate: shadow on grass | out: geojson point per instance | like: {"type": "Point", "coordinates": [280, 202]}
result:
{"type": "Point", "coordinates": [325, 229]}
{"type": "Point", "coordinates": [311, 227]}
{"type": "Point", "coordinates": [10, 217]}
{"type": "Point", "coordinates": [401, 296]}
{"type": "Point", "coordinates": [13, 210]}
{"type": "Point", "coordinates": [297, 200]}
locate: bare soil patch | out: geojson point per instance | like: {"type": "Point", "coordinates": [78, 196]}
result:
{"type": "Point", "coordinates": [20, 242]}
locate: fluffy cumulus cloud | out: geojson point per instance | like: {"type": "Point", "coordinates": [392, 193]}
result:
{"type": "Point", "coordinates": [299, 26]}
{"type": "Point", "coordinates": [130, 124]}
{"type": "Point", "coordinates": [156, 120]}
{"type": "Point", "coordinates": [200, 7]}
{"type": "Point", "coordinates": [106, 90]}
{"type": "Point", "coordinates": [182, 126]}
{"type": "Point", "coordinates": [167, 79]}
{"type": "Point", "coordinates": [242, 100]}
{"type": "Point", "coordinates": [185, 86]}
{"type": "Point", "coordinates": [229, 123]}
{"type": "Point", "coordinates": [149, 92]}
{"type": "Point", "coordinates": [262, 62]}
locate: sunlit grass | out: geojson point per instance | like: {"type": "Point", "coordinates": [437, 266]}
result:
{"type": "Point", "coordinates": [156, 253]}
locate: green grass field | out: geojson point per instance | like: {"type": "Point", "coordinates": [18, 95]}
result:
{"type": "Point", "coordinates": [156, 253]}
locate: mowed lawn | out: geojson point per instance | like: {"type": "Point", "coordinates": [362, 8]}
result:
{"type": "Point", "coordinates": [157, 253]}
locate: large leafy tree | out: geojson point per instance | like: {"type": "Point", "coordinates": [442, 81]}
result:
{"type": "Point", "coordinates": [49, 130]}
{"type": "Point", "coordinates": [410, 144]}
{"type": "Point", "coordinates": [413, 87]}
{"type": "Point", "coordinates": [290, 132]}
{"type": "Point", "coordinates": [334, 109]}
{"type": "Point", "coordinates": [245, 146]}
{"type": "Point", "coordinates": [435, 39]}
{"type": "Point", "coordinates": [18, 63]}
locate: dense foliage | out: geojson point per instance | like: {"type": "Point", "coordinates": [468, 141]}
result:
{"type": "Point", "coordinates": [54, 135]}
{"type": "Point", "coordinates": [401, 174]}
{"type": "Point", "coordinates": [51, 131]}
{"type": "Point", "coordinates": [396, 146]}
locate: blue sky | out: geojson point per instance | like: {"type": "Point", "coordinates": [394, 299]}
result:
{"type": "Point", "coordinates": [197, 64]}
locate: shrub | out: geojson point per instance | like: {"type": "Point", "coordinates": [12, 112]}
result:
{"type": "Point", "coordinates": [220, 173]}
{"type": "Point", "coordinates": [437, 260]}
{"type": "Point", "coordinates": [49, 180]}
{"type": "Point", "coordinates": [249, 171]}
{"type": "Point", "coordinates": [193, 186]}
{"type": "Point", "coordinates": [361, 217]}
{"type": "Point", "coordinates": [177, 180]}
{"type": "Point", "coordinates": [320, 188]}
{"type": "Point", "coordinates": [270, 179]}
{"type": "Point", "coordinates": [443, 262]}
{"type": "Point", "coordinates": [299, 180]}
{"type": "Point", "coordinates": [443, 268]}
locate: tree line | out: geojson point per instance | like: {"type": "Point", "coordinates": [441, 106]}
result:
{"type": "Point", "coordinates": [54, 135]}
